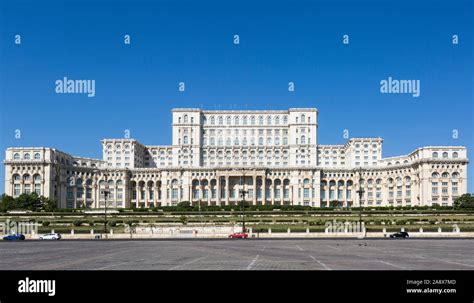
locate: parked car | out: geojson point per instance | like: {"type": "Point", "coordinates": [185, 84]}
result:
{"type": "Point", "coordinates": [400, 234]}
{"type": "Point", "coordinates": [14, 237]}
{"type": "Point", "coordinates": [54, 236]}
{"type": "Point", "coordinates": [238, 236]}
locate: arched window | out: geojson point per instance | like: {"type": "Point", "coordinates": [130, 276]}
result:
{"type": "Point", "coordinates": [252, 120]}
{"type": "Point", "coordinates": [185, 119]}
{"type": "Point", "coordinates": [455, 175]}
{"type": "Point", "coordinates": [16, 156]}
{"type": "Point", "coordinates": [221, 121]}
{"type": "Point", "coordinates": [444, 175]}
{"type": "Point", "coordinates": [228, 120]}
{"type": "Point", "coordinates": [434, 155]}
{"type": "Point", "coordinates": [455, 155]}
{"type": "Point", "coordinates": [303, 140]}
{"type": "Point", "coordinates": [277, 120]}
{"type": "Point", "coordinates": [260, 120]}
{"type": "Point", "coordinates": [303, 118]}
{"type": "Point", "coordinates": [185, 140]}
{"type": "Point", "coordinates": [269, 120]}
{"type": "Point", "coordinates": [285, 119]}
{"type": "Point", "coordinates": [213, 120]}
{"type": "Point", "coordinates": [445, 155]}
{"type": "Point", "coordinates": [236, 121]}
{"type": "Point", "coordinates": [306, 181]}
{"type": "Point", "coordinates": [244, 120]}
{"type": "Point", "coordinates": [434, 175]}
{"type": "Point", "coordinates": [27, 156]}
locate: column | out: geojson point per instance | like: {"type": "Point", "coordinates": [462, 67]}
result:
{"type": "Point", "coordinates": [218, 191]}
{"type": "Point", "coordinates": [254, 187]}
{"type": "Point", "coordinates": [272, 192]}
{"type": "Point", "coordinates": [137, 189]}
{"type": "Point", "coordinates": [226, 190]}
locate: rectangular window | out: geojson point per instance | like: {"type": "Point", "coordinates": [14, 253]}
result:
{"type": "Point", "coordinates": [70, 194]}
{"type": "Point", "coordinates": [16, 190]}
{"type": "Point", "coordinates": [80, 192]}
{"type": "Point", "coordinates": [277, 193]}
{"type": "Point", "coordinates": [38, 189]}
{"type": "Point", "coordinates": [174, 193]}
{"type": "Point", "coordinates": [268, 193]}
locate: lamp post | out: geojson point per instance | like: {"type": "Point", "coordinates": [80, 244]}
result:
{"type": "Point", "coordinates": [242, 194]}
{"type": "Point", "coordinates": [106, 193]}
{"type": "Point", "coordinates": [360, 192]}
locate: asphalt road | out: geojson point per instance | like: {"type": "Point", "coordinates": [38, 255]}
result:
{"type": "Point", "coordinates": [252, 254]}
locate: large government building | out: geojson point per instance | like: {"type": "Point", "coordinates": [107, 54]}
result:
{"type": "Point", "coordinates": [272, 157]}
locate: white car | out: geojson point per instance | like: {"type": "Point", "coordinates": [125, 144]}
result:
{"type": "Point", "coordinates": [54, 236]}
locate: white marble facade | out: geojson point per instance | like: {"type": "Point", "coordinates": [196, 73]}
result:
{"type": "Point", "coordinates": [273, 155]}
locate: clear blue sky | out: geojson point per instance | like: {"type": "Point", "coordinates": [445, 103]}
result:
{"type": "Point", "coordinates": [192, 41]}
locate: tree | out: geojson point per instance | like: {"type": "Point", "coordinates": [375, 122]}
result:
{"type": "Point", "coordinates": [48, 204]}
{"type": "Point", "coordinates": [7, 203]}
{"type": "Point", "coordinates": [464, 201]}
{"type": "Point", "coordinates": [183, 219]}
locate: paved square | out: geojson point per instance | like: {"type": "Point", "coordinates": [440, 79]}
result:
{"type": "Point", "coordinates": [251, 254]}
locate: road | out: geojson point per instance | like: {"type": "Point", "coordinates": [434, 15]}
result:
{"type": "Point", "coordinates": [238, 254]}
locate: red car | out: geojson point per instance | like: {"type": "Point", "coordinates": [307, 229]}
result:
{"type": "Point", "coordinates": [238, 236]}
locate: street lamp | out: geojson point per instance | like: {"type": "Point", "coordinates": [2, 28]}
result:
{"type": "Point", "coordinates": [243, 193]}
{"type": "Point", "coordinates": [360, 192]}
{"type": "Point", "coordinates": [106, 193]}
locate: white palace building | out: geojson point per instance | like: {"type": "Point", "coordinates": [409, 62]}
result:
{"type": "Point", "coordinates": [272, 155]}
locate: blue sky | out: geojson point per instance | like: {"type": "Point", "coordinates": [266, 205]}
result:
{"type": "Point", "coordinates": [192, 41]}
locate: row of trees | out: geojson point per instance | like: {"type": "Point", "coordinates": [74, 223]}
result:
{"type": "Point", "coordinates": [464, 201]}
{"type": "Point", "coordinates": [31, 201]}
{"type": "Point", "coordinates": [34, 202]}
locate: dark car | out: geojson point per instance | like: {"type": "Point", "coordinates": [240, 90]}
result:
{"type": "Point", "coordinates": [14, 237]}
{"type": "Point", "coordinates": [400, 234]}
